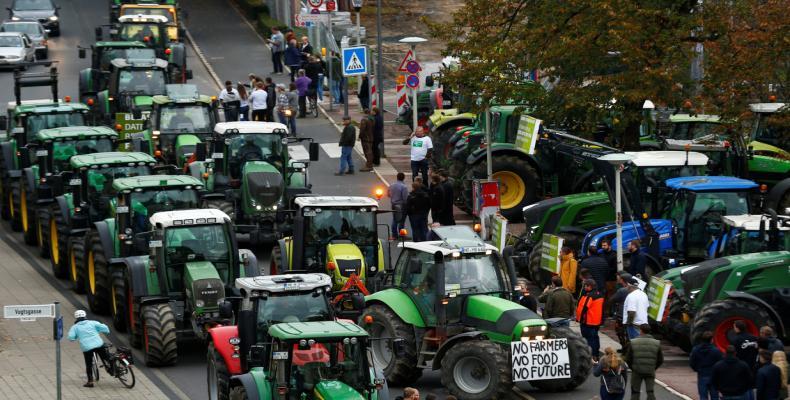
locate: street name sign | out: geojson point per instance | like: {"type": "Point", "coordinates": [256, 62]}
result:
{"type": "Point", "coordinates": [29, 312]}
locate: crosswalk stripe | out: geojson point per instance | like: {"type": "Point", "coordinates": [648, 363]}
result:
{"type": "Point", "coordinates": [331, 149]}
{"type": "Point", "coordinates": [298, 152]}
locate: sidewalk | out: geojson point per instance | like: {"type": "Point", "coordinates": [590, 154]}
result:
{"type": "Point", "coordinates": [27, 351]}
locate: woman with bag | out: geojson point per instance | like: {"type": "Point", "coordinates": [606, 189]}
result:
{"type": "Point", "coordinates": [614, 375]}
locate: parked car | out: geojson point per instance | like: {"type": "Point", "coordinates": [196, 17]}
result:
{"type": "Point", "coordinates": [34, 30]}
{"type": "Point", "coordinates": [15, 49]}
{"type": "Point", "coordinates": [43, 11]}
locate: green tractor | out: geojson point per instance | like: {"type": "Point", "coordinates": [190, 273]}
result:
{"type": "Point", "coordinates": [92, 80]}
{"type": "Point", "coordinates": [72, 200]}
{"type": "Point", "coordinates": [308, 360]}
{"type": "Point", "coordinates": [336, 235]}
{"type": "Point", "coordinates": [115, 6]}
{"type": "Point", "coordinates": [713, 294]}
{"type": "Point", "coordinates": [49, 154]}
{"type": "Point", "coordinates": [251, 176]}
{"type": "Point", "coordinates": [769, 141]}
{"type": "Point", "coordinates": [442, 126]}
{"type": "Point", "coordinates": [449, 299]}
{"type": "Point", "coordinates": [136, 199]}
{"type": "Point", "coordinates": [741, 234]}
{"type": "Point", "coordinates": [180, 120]}
{"type": "Point", "coordinates": [176, 290]}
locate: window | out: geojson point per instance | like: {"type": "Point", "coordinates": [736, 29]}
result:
{"type": "Point", "coordinates": [26, 28]}
{"type": "Point", "coordinates": [328, 224]}
{"type": "Point", "coordinates": [296, 307]}
{"type": "Point", "coordinates": [139, 32]}
{"type": "Point", "coordinates": [698, 130]}
{"type": "Point", "coordinates": [31, 5]}
{"type": "Point", "coordinates": [182, 119]}
{"type": "Point", "coordinates": [11, 41]}
{"type": "Point", "coordinates": [149, 11]}
{"type": "Point", "coordinates": [62, 151]}
{"type": "Point", "coordinates": [37, 122]}
{"type": "Point", "coordinates": [329, 361]}
{"type": "Point", "coordinates": [196, 243]}
{"type": "Point", "coordinates": [147, 203]}
{"type": "Point", "coordinates": [142, 81]}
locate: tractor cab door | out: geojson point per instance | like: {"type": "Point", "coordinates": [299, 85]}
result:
{"type": "Point", "coordinates": [416, 275]}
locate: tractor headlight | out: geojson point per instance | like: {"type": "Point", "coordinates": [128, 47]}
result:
{"type": "Point", "coordinates": [274, 207]}
{"type": "Point", "coordinates": [53, 18]}
{"type": "Point", "coordinates": [536, 332]}
{"type": "Point", "coordinates": [200, 303]}
{"type": "Point", "coordinates": [258, 207]}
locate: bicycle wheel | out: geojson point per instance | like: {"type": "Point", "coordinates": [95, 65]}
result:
{"type": "Point", "coordinates": [314, 105]}
{"type": "Point", "coordinates": [95, 368]}
{"type": "Point", "coordinates": [124, 373]}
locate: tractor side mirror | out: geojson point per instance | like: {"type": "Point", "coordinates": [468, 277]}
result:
{"type": "Point", "coordinates": [399, 347]}
{"type": "Point", "coordinates": [200, 151]}
{"type": "Point", "coordinates": [358, 301]}
{"type": "Point", "coordinates": [313, 149]}
{"type": "Point", "coordinates": [81, 52]}
{"type": "Point", "coordinates": [429, 81]}
{"type": "Point", "coordinates": [3, 123]}
{"type": "Point", "coordinates": [226, 310]}
{"type": "Point", "coordinates": [751, 152]}
{"type": "Point", "coordinates": [99, 34]}
{"type": "Point", "coordinates": [415, 266]}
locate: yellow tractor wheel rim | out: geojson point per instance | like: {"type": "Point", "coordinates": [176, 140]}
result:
{"type": "Point", "coordinates": [511, 188]}
{"type": "Point", "coordinates": [91, 273]}
{"type": "Point", "coordinates": [40, 238]}
{"type": "Point", "coordinates": [53, 242]}
{"type": "Point", "coordinates": [23, 210]}
{"type": "Point", "coordinates": [11, 204]}
{"type": "Point", "coordinates": [73, 264]}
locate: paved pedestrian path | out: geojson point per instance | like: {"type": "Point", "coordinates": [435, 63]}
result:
{"type": "Point", "coordinates": [27, 351]}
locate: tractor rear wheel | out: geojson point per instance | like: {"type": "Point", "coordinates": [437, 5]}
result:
{"type": "Point", "coordinates": [42, 219]}
{"type": "Point", "coordinates": [76, 253]}
{"type": "Point", "coordinates": [5, 210]}
{"type": "Point", "coordinates": [159, 335]}
{"type": "Point", "coordinates": [97, 275]}
{"type": "Point", "coordinates": [13, 201]}
{"type": "Point", "coordinates": [580, 357]}
{"type": "Point", "coordinates": [133, 312]}
{"type": "Point", "coordinates": [718, 317]}
{"type": "Point", "coordinates": [387, 324]}
{"type": "Point", "coordinates": [56, 238]}
{"type": "Point", "coordinates": [218, 378]}
{"type": "Point", "coordinates": [27, 213]}
{"type": "Point", "coordinates": [540, 276]}
{"type": "Point", "coordinates": [222, 205]}
{"type": "Point", "coordinates": [118, 295]}
{"type": "Point", "coordinates": [444, 149]}
{"type": "Point", "coordinates": [518, 184]}
{"type": "Point", "coordinates": [477, 370]}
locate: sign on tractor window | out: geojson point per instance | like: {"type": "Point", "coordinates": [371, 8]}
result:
{"type": "Point", "coordinates": [550, 253]}
{"type": "Point", "coordinates": [527, 134]}
{"type": "Point", "coordinates": [657, 295]}
{"type": "Point", "coordinates": [535, 360]}
{"type": "Point", "coordinates": [129, 124]}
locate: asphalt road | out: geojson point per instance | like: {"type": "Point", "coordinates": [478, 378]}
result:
{"type": "Point", "coordinates": [233, 50]}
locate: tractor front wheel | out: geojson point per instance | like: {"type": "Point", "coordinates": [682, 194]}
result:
{"type": "Point", "coordinates": [580, 357]}
{"type": "Point", "coordinates": [76, 261]}
{"type": "Point", "coordinates": [719, 316]}
{"type": "Point", "coordinates": [118, 295]}
{"type": "Point", "coordinates": [28, 215]}
{"type": "Point", "coordinates": [218, 378]}
{"type": "Point", "coordinates": [386, 324]}
{"type": "Point", "coordinates": [222, 205]}
{"type": "Point", "coordinates": [57, 240]}
{"type": "Point", "coordinates": [98, 275]}
{"type": "Point", "coordinates": [159, 335]}
{"type": "Point", "coordinates": [477, 370]}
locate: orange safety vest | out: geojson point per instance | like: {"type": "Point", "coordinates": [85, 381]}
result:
{"type": "Point", "coordinates": [589, 311]}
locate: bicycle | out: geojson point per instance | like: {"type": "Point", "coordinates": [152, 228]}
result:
{"type": "Point", "coordinates": [312, 103]}
{"type": "Point", "coordinates": [121, 362]}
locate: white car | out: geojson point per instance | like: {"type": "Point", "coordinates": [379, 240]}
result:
{"type": "Point", "coordinates": [15, 48]}
{"type": "Point", "coordinates": [34, 30]}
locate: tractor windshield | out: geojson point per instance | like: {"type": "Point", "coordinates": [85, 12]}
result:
{"type": "Point", "coordinates": [148, 33]}
{"type": "Point", "coordinates": [147, 82]}
{"type": "Point", "coordinates": [473, 274]}
{"type": "Point", "coordinates": [62, 151]}
{"type": "Point", "coordinates": [325, 225]}
{"type": "Point", "coordinates": [292, 307]}
{"type": "Point", "coordinates": [340, 359]}
{"type": "Point", "coordinates": [697, 214]}
{"type": "Point", "coordinates": [254, 146]}
{"type": "Point", "coordinates": [698, 131]}
{"type": "Point", "coordinates": [174, 118]}
{"type": "Point", "coordinates": [752, 242]}
{"type": "Point", "coordinates": [192, 243]}
{"type": "Point", "coordinates": [146, 203]}
{"type": "Point", "coordinates": [100, 178]}
{"type": "Point", "coordinates": [164, 12]}
{"type": "Point", "coordinates": [773, 129]}
{"type": "Point", "coordinates": [37, 122]}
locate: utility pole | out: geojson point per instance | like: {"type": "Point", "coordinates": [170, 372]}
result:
{"type": "Point", "coordinates": [489, 156]}
{"type": "Point", "coordinates": [329, 61]}
{"type": "Point", "coordinates": [617, 160]}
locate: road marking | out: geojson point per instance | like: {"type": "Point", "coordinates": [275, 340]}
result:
{"type": "Point", "coordinates": [298, 153]}
{"type": "Point", "coordinates": [331, 149]}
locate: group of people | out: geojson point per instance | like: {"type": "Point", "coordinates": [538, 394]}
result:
{"type": "Point", "coordinates": [751, 368]}
{"type": "Point", "coordinates": [371, 135]}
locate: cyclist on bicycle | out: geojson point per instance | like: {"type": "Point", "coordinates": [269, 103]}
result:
{"type": "Point", "coordinates": [89, 334]}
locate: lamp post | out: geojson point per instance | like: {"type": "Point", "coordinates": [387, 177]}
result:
{"type": "Point", "coordinates": [617, 160]}
{"type": "Point", "coordinates": [413, 41]}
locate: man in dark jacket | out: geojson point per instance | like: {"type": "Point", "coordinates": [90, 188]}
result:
{"type": "Point", "coordinates": [418, 204]}
{"type": "Point", "coordinates": [271, 99]}
{"type": "Point", "coordinates": [597, 265]}
{"type": "Point", "coordinates": [447, 217]}
{"type": "Point", "coordinates": [378, 135]}
{"type": "Point", "coordinates": [745, 344]}
{"type": "Point", "coordinates": [366, 137]}
{"type": "Point", "coordinates": [731, 377]}
{"type": "Point", "coordinates": [524, 298]}
{"type": "Point", "coordinates": [437, 198]}
{"type": "Point", "coordinates": [618, 303]}
{"type": "Point", "coordinates": [768, 379]}
{"type": "Point", "coordinates": [703, 357]}
{"type": "Point", "coordinates": [558, 300]}
{"type": "Point", "coordinates": [611, 276]}
{"type": "Point", "coordinates": [644, 356]}
{"type": "Point", "coordinates": [347, 140]}
{"type": "Point", "coordinates": [364, 93]}
{"type": "Point", "coordinates": [638, 261]}
{"type": "Point", "coordinates": [768, 341]}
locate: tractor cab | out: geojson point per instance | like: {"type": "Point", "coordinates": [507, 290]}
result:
{"type": "Point", "coordinates": [770, 131]}
{"type": "Point", "coordinates": [26, 119]}
{"type": "Point", "coordinates": [336, 235]}
{"type": "Point", "coordinates": [180, 120]}
{"type": "Point", "coordinates": [742, 234]}
{"type": "Point", "coordinates": [116, 5]}
{"type": "Point", "coordinates": [95, 79]}
{"type": "Point", "coordinates": [158, 33]}
{"type": "Point", "coordinates": [707, 134]}
{"type": "Point", "coordinates": [160, 12]}
{"type": "Point", "coordinates": [59, 145]}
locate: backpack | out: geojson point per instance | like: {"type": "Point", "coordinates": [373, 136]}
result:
{"type": "Point", "coordinates": [614, 382]}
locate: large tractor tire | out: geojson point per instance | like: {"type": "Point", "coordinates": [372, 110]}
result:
{"type": "Point", "coordinates": [580, 357]}
{"type": "Point", "coordinates": [477, 370]}
{"type": "Point", "coordinates": [5, 205]}
{"type": "Point", "coordinates": [134, 324]}
{"type": "Point", "coordinates": [519, 184]}
{"type": "Point", "coordinates": [540, 276]}
{"type": "Point", "coordinates": [718, 317]}
{"type": "Point", "coordinates": [56, 238]}
{"type": "Point", "coordinates": [97, 275]}
{"type": "Point", "coordinates": [118, 308]}
{"type": "Point", "coordinates": [76, 246]}
{"type": "Point", "coordinates": [27, 212]}
{"type": "Point", "coordinates": [159, 335]}
{"type": "Point", "coordinates": [222, 205]}
{"type": "Point", "coordinates": [386, 324]}
{"type": "Point", "coordinates": [443, 148]}
{"type": "Point", "coordinates": [13, 201]}
{"type": "Point", "coordinates": [42, 238]}
{"type": "Point", "coordinates": [674, 329]}
{"type": "Point", "coordinates": [218, 377]}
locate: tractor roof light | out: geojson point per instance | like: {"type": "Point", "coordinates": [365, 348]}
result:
{"type": "Point", "coordinates": [727, 144]}
{"type": "Point", "coordinates": [477, 228]}
{"type": "Point", "coordinates": [90, 102]}
{"type": "Point", "coordinates": [168, 51]}
{"type": "Point", "coordinates": [118, 127]}
{"type": "Point", "coordinates": [772, 98]}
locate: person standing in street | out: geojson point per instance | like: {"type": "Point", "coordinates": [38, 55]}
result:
{"type": "Point", "coordinates": [347, 140]}
{"type": "Point", "coordinates": [635, 309]}
{"type": "Point", "coordinates": [231, 101]}
{"type": "Point", "coordinates": [745, 344]}
{"type": "Point", "coordinates": [418, 204]}
{"type": "Point", "coordinates": [258, 103]}
{"type": "Point", "coordinates": [277, 42]}
{"type": "Point", "coordinates": [644, 355]}
{"type": "Point", "coordinates": [421, 150]}
{"type": "Point", "coordinates": [284, 111]}
{"type": "Point", "coordinates": [293, 58]}
{"type": "Point", "coordinates": [314, 70]}
{"type": "Point", "coordinates": [731, 377]}
{"type": "Point", "coordinates": [524, 298]}
{"type": "Point", "coordinates": [589, 314]}
{"type": "Point", "coordinates": [768, 340]}
{"type": "Point", "coordinates": [558, 300]}
{"type": "Point", "coordinates": [410, 393]}
{"type": "Point", "coordinates": [398, 193]}
{"type": "Point", "coordinates": [378, 135]}
{"type": "Point", "coordinates": [618, 301]}
{"type": "Point", "coordinates": [638, 262]}
{"type": "Point", "coordinates": [293, 105]}
{"type": "Point", "coordinates": [88, 333]}
{"type": "Point", "coordinates": [614, 375]}
{"type": "Point", "coordinates": [597, 265]}
{"type": "Point", "coordinates": [366, 137]}
{"type": "Point", "coordinates": [244, 97]}
{"type": "Point", "coordinates": [306, 50]}
{"type": "Point", "coordinates": [779, 358]}
{"type": "Point", "coordinates": [437, 199]}
{"type": "Point", "coordinates": [337, 81]}
{"type": "Point", "coordinates": [302, 88]}
{"type": "Point", "coordinates": [611, 277]}
{"type": "Point", "coordinates": [364, 93]}
{"type": "Point", "coordinates": [568, 268]}
{"type": "Point", "coordinates": [768, 380]}
{"type": "Point", "coordinates": [271, 99]}
{"type": "Point", "coordinates": [703, 357]}
{"type": "Point", "coordinates": [449, 205]}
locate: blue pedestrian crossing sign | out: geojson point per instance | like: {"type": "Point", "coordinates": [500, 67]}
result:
{"type": "Point", "coordinates": [355, 61]}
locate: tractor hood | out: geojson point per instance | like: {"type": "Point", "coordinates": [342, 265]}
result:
{"type": "Point", "coordinates": [263, 184]}
{"type": "Point", "coordinates": [336, 390]}
{"type": "Point", "coordinates": [143, 102]}
{"type": "Point", "coordinates": [203, 285]}
{"type": "Point", "coordinates": [503, 319]}
{"type": "Point", "coordinates": [348, 259]}
{"type": "Point", "coordinates": [631, 230]}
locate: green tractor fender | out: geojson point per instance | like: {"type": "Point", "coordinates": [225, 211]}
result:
{"type": "Point", "coordinates": [399, 303]}
{"type": "Point", "coordinates": [185, 147]}
{"type": "Point", "coordinates": [255, 383]}
{"type": "Point", "coordinates": [142, 282]}
{"type": "Point", "coordinates": [248, 263]}
{"type": "Point", "coordinates": [107, 234]}
{"type": "Point", "coordinates": [442, 121]}
{"type": "Point", "coordinates": [780, 327]}
{"type": "Point", "coordinates": [777, 194]}
{"type": "Point", "coordinates": [502, 149]}
{"type": "Point", "coordinates": [30, 176]}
